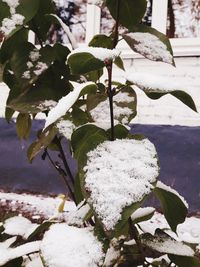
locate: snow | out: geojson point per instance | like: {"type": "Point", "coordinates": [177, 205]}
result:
{"type": "Point", "coordinates": [26, 74]}
{"type": "Point", "coordinates": [40, 68]}
{"type": "Point", "coordinates": [47, 104]}
{"type": "Point", "coordinates": [102, 54]}
{"type": "Point", "coordinates": [68, 246]}
{"type": "Point", "coordinates": [154, 83]}
{"type": "Point", "coordinates": [65, 128]}
{"type": "Point", "coordinates": [169, 189]}
{"type": "Point", "coordinates": [165, 244]}
{"type": "Point", "coordinates": [9, 24]}
{"type": "Point", "coordinates": [142, 212]}
{"type": "Point", "coordinates": [101, 113]}
{"type": "Point", "coordinates": [8, 254]}
{"type": "Point", "coordinates": [96, 2]}
{"type": "Point", "coordinates": [34, 56]}
{"type": "Point", "coordinates": [118, 174]}
{"type": "Point", "coordinates": [77, 216]}
{"type": "Point", "coordinates": [64, 104]}
{"type": "Point", "coordinates": [19, 225]}
{"type": "Point", "coordinates": [150, 46]}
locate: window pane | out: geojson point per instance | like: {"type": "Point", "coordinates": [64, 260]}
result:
{"type": "Point", "coordinates": [107, 22]}
{"type": "Point", "coordinates": [183, 18]}
{"type": "Point", "coordinates": [73, 13]}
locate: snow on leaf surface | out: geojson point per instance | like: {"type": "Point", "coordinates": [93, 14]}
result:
{"type": "Point", "coordinates": [97, 52]}
{"type": "Point", "coordinates": [153, 83]}
{"type": "Point", "coordinates": [8, 254]}
{"type": "Point", "coordinates": [142, 212]}
{"type": "Point", "coordinates": [164, 243]}
{"type": "Point", "coordinates": [169, 189]}
{"type": "Point", "coordinates": [64, 104]}
{"type": "Point", "coordinates": [19, 225]}
{"type": "Point", "coordinates": [150, 46]}
{"type": "Point", "coordinates": [119, 174]}
{"type": "Point", "coordinates": [68, 246]}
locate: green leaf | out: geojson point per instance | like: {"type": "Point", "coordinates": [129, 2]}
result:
{"type": "Point", "coordinates": [150, 43]}
{"type": "Point", "coordinates": [120, 131]}
{"type": "Point", "coordinates": [1, 73]}
{"type": "Point", "coordinates": [119, 63]}
{"type": "Point", "coordinates": [175, 210]}
{"type": "Point", "coordinates": [185, 98]}
{"type": "Point", "coordinates": [101, 40]}
{"type": "Point", "coordinates": [142, 214]}
{"type": "Point", "coordinates": [182, 261]}
{"type": "Point", "coordinates": [23, 125]}
{"type": "Point", "coordinates": [84, 139]}
{"type": "Point", "coordinates": [14, 263]}
{"type": "Point", "coordinates": [77, 189]}
{"type": "Point", "coordinates": [165, 244]}
{"type": "Point", "coordinates": [44, 139]}
{"type": "Point", "coordinates": [130, 11]}
{"type": "Point", "coordinates": [39, 230]}
{"type": "Point", "coordinates": [81, 63]}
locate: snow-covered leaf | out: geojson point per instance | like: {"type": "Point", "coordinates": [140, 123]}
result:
{"type": "Point", "coordinates": [113, 253]}
{"type": "Point", "coordinates": [83, 60]}
{"type": "Point", "coordinates": [19, 225]}
{"type": "Point", "coordinates": [165, 244]}
{"type": "Point", "coordinates": [118, 176]}
{"type": "Point", "coordinates": [142, 214]}
{"type": "Point", "coordinates": [65, 245]}
{"type": "Point", "coordinates": [124, 105]}
{"type": "Point", "coordinates": [84, 139]}
{"type": "Point", "coordinates": [79, 216]}
{"type": "Point", "coordinates": [182, 261]}
{"type": "Point", "coordinates": [66, 102]}
{"type": "Point", "coordinates": [150, 43]}
{"type": "Point", "coordinates": [130, 11]}
{"type": "Point", "coordinates": [157, 86]}
{"type": "Point", "coordinates": [174, 206]}
{"type": "Point", "coordinates": [101, 40]}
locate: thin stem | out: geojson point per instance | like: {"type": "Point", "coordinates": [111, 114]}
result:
{"type": "Point", "coordinates": [62, 174]}
{"type": "Point", "coordinates": [110, 96]}
{"type": "Point", "coordinates": [116, 34]}
{"type": "Point", "coordinates": [62, 154]}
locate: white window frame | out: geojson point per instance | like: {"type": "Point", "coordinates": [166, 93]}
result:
{"type": "Point", "coordinates": [181, 46]}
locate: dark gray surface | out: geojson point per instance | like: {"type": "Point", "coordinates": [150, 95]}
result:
{"type": "Point", "coordinates": [178, 149]}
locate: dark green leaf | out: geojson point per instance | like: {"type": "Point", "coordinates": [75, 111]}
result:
{"type": "Point", "coordinates": [119, 63]}
{"type": "Point", "coordinates": [174, 209]}
{"type": "Point", "coordinates": [157, 48]}
{"type": "Point", "coordinates": [147, 215]}
{"type": "Point", "coordinates": [14, 263]}
{"type": "Point", "coordinates": [23, 125]}
{"type": "Point", "coordinates": [94, 76]}
{"type": "Point", "coordinates": [39, 230]}
{"type": "Point", "coordinates": [85, 139]}
{"type": "Point", "coordinates": [101, 40]}
{"type": "Point", "coordinates": [44, 139]}
{"type": "Point", "coordinates": [77, 189]}
{"type": "Point", "coordinates": [120, 131]}
{"type": "Point", "coordinates": [81, 63]}
{"type": "Point", "coordinates": [182, 261]}
{"type": "Point", "coordinates": [130, 11]}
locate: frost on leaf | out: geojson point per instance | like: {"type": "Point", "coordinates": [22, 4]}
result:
{"type": "Point", "coordinates": [117, 175]}
{"type": "Point", "coordinates": [164, 243]}
{"type": "Point", "coordinates": [97, 52]}
{"type": "Point", "coordinates": [149, 45]}
{"type": "Point", "coordinates": [69, 246]}
{"type": "Point", "coordinates": [124, 105]}
{"type": "Point", "coordinates": [64, 104]}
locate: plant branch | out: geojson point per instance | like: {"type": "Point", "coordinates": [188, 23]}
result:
{"type": "Point", "coordinates": [62, 174]}
{"type": "Point", "coordinates": [116, 33]}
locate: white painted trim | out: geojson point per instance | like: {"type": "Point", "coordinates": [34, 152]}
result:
{"type": "Point", "coordinates": [159, 15]}
{"type": "Point", "coordinates": [93, 20]}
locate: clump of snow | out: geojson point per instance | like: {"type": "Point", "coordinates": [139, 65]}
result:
{"type": "Point", "coordinates": [142, 212]}
{"type": "Point", "coordinates": [69, 246]}
{"type": "Point", "coordinates": [40, 68]}
{"type": "Point", "coordinates": [153, 83]}
{"type": "Point", "coordinates": [101, 113]}
{"type": "Point", "coordinates": [47, 104]}
{"type": "Point", "coordinates": [96, 2]}
{"type": "Point", "coordinates": [77, 217]}
{"type": "Point", "coordinates": [65, 103]}
{"type": "Point", "coordinates": [65, 128]}
{"type": "Point", "coordinates": [26, 74]}
{"type": "Point", "coordinates": [102, 54]}
{"type": "Point", "coordinates": [34, 56]}
{"type": "Point", "coordinates": [150, 46]}
{"type": "Point", "coordinates": [7, 254]}
{"type": "Point", "coordinates": [19, 225]}
{"type": "Point", "coordinates": [118, 174]}
{"type": "Point", "coordinates": [169, 189]}
{"type": "Point", "coordinates": [33, 260]}
{"type": "Point", "coordinates": [165, 244]}
{"type": "Point", "coordinates": [9, 24]}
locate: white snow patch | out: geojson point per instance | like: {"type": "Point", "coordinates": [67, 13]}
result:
{"type": "Point", "coordinates": [40, 68]}
{"type": "Point", "coordinates": [154, 83]}
{"type": "Point", "coordinates": [118, 174]}
{"type": "Point", "coordinates": [64, 104]}
{"type": "Point", "coordinates": [96, 2]}
{"type": "Point", "coordinates": [142, 212]}
{"type": "Point", "coordinates": [26, 74]}
{"type": "Point", "coordinates": [19, 225]}
{"type": "Point", "coordinates": [8, 254]}
{"type": "Point", "coordinates": [173, 191]}
{"type": "Point", "coordinates": [68, 246]}
{"type": "Point", "coordinates": [34, 55]}
{"type": "Point", "coordinates": [150, 46]}
{"type": "Point", "coordinates": [97, 52]}
{"type": "Point", "coordinates": [77, 217]}
{"type": "Point", "coordinates": [66, 128]}
{"type": "Point", "coordinates": [47, 104]}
